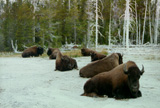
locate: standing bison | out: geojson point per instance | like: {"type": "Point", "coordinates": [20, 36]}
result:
{"type": "Point", "coordinates": [105, 64]}
{"type": "Point", "coordinates": [86, 51]}
{"type": "Point", "coordinates": [64, 63]}
{"type": "Point", "coordinates": [33, 51]}
{"type": "Point", "coordinates": [121, 82]}
{"type": "Point", "coordinates": [52, 53]}
{"type": "Point", "coordinates": [96, 56]}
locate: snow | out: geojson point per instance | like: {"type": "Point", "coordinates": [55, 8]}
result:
{"type": "Point", "coordinates": [33, 83]}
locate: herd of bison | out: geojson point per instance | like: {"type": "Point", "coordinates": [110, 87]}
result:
{"type": "Point", "coordinates": [109, 76]}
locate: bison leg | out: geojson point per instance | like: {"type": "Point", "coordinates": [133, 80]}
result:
{"type": "Point", "coordinates": [120, 94]}
{"type": "Point", "coordinates": [137, 94]}
{"type": "Point", "coordinates": [90, 94]}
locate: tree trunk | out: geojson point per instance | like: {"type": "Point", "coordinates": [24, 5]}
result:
{"type": "Point", "coordinates": [136, 24]}
{"type": "Point", "coordinates": [156, 21]}
{"type": "Point", "coordinates": [109, 39]}
{"type": "Point", "coordinates": [127, 24]}
{"type": "Point", "coordinates": [150, 29]}
{"type": "Point", "coordinates": [96, 23]}
{"type": "Point", "coordinates": [75, 32]}
{"type": "Point", "coordinates": [139, 31]}
{"type": "Point", "coordinates": [144, 23]}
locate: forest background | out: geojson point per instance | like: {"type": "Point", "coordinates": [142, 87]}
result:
{"type": "Point", "coordinates": [53, 23]}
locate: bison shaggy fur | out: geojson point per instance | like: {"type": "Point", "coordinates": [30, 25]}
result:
{"type": "Point", "coordinates": [105, 64]}
{"type": "Point", "coordinates": [33, 51]}
{"type": "Point", "coordinates": [52, 53]}
{"type": "Point", "coordinates": [86, 51]}
{"type": "Point", "coordinates": [96, 56]}
{"type": "Point", "coordinates": [122, 82]}
{"type": "Point", "coordinates": [64, 63]}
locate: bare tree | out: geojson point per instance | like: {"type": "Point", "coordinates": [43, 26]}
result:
{"type": "Point", "coordinates": [127, 23]}
{"type": "Point", "coordinates": [156, 22]}
{"type": "Point", "coordinates": [144, 22]}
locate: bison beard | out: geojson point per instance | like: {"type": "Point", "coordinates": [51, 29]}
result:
{"type": "Point", "coordinates": [32, 51]}
{"type": "Point", "coordinates": [64, 63]}
{"type": "Point", "coordinates": [121, 82]}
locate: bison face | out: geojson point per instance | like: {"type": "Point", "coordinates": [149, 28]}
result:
{"type": "Point", "coordinates": [83, 51]}
{"type": "Point", "coordinates": [40, 50]}
{"type": "Point", "coordinates": [133, 78]}
{"type": "Point", "coordinates": [120, 58]}
{"type": "Point", "coordinates": [93, 56]}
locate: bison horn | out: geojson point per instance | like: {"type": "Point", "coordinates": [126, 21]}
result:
{"type": "Point", "coordinates": [125, 69]}
{"type": "Point", "coordinates": [142, 71]}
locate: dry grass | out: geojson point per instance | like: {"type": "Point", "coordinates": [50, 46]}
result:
{"type": "Point", "coordinates": [104, 51]}
{"type": "Point", "coordinates": [77, 53]}
{"type": "Point", "coordinates": [73, 53]}
{"type": "Point", "coordinates": [9, 54]}
{"type": "Point", "coordinates": [153, 57]}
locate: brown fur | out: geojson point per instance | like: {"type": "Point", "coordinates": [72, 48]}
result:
{"type": "Point", "coordinates": [96, 67]}
{"type": "Point", "coordinates": [97, 56]}
{"type": "Point", "coordinates": [115, 83]}
{"type": "Point", "coordinates": [86, 51]}
{"type": "Point", "coordinates": [64, 63]}
{"type": "Point", "coordinates": [52, 53]}
{"type": "Point", "coordinates": [75, 47]}
{"type": "Point", "coordinates": [32, 51]}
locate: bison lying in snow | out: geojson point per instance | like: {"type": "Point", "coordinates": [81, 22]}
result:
{"type": "Point", "coordinates": [96, 56]}
{"type": "Point", "coordinates": [52, 53]}
{"type": "Point", "coordinates": [121, 82]}
{"type": "Point", "coordinates": [33, 51]}
{"type": "Point", "coordinates": [64, 63]}
{"type": "Point", "coordinates": [86, 51]}
{"type": "Point", "coordinates": [105, 64]}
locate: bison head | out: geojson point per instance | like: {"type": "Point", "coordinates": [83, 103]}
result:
{"type": "Point", "coordinates": [133, 74]}
{"type": "Point", "coordinates": [93, 56]}
{"type": "Point", "coordinates": [40, 50]}
{"type": "Point", "coordinates": [120, 58]}
{"type": "Point", "coordinates": [49, 52]}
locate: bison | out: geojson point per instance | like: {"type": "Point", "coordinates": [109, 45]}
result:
{"type": "Point", "coordinates": [122, 82]}
{"type": "Point", "coordinates": [52, 53]}
{"type": "Point", "coordinates": [105, 64]}
{"type": "Point", "coordinates": [96, 56]}
{"type": "Point", "coordinates": [86, 51]}
{"type": "Point", "coordinates": [33, 51]}
{"type": "Point", "coordinates": [64, 63]}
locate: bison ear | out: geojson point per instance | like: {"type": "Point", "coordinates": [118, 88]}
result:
{"type": "Point", "coordinates": [125, 69]}
{"type": "Point", "coordinates": [142, 71]}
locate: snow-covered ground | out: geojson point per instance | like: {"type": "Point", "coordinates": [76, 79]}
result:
{"type": "Point", "coordinates": [33, 83]}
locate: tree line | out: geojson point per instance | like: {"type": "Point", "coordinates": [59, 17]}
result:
{"type": "Point", "coordinates": [53, 23]}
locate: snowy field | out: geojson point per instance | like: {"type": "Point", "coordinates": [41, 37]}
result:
{"type": "Point", "coordinates": [33, 83]}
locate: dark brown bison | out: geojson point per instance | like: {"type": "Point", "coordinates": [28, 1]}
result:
{"type": "Point", "coordinates": [121, 82]}
{"type": "Point", "coordinates": [64, 63]}
{"type": "Point", "coordinates": [52, 53]}
{"type": "Point", "coordinates": [75, 47]}
{"type": "Point", "coordinates": [105, 64]}
{"type": "Point", "coordinates": [86, 51]}
{"type": "Point", "coordinates": [33, 51]}
{"type": "Point", "coordinates": [96, 56]}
